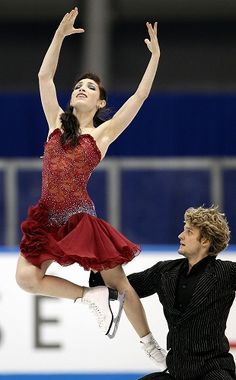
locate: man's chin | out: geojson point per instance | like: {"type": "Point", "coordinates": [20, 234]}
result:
{"type": "Point", "coordinates": [180, 252]}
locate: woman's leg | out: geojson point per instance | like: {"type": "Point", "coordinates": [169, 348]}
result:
{"type": "Point", "coordinates": [115, 278]}
{"type": "Point", "coordinates": [35, 280]}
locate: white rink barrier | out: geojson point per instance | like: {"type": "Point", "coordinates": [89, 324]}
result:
{"type": "Point", "coordinates": [46, 335]}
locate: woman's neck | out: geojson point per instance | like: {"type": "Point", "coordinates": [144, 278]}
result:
{"type": "Point", "coordinates": [85, 119]}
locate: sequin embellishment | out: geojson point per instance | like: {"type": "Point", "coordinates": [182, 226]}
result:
{"type": "Point", "coordinates": [66, 172]}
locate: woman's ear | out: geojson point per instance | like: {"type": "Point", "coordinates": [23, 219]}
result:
{"type": "Point", "coordinates": [102, 103]}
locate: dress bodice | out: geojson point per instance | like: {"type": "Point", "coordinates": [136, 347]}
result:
{"type": "Point", "coordinates": [63, 226]}
{"type": "Point", "coordinates": [66, 172]}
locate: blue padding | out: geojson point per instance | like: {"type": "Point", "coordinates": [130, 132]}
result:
{"type": "Point", "coordinates": [153, 202]}
{"type": "Point", "coordinates": [169, 124]}
{"type": "Point", "coordinates": [2, 209]}
{"type": "Point", "coordinates": [97, 189]}
{"type": "Point", "coordinates": [229, 180]}
{"type": "Point", "coordinates": [29, 190]}
{"type": "Point", "coordinates": [80, 376]}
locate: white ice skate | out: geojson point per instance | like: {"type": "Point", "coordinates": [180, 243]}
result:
{"type": "Point", "coordinates": [154, 351]}
{"type": "Point", "coordinates": [98, 299]}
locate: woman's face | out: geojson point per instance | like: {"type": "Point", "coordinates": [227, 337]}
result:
{"type": "Point", "coordinates": [86, 95]}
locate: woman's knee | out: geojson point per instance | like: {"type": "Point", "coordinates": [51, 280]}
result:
{"type": "Point", "coordinates": [26, 280]}
{"type": "Point", "coordinates": [28, 276]}
{"type": "Point", "coordinates": [116, 279]}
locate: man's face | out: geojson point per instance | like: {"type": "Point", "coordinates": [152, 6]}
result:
{"type": "Point", "coordinates": [190, 243]}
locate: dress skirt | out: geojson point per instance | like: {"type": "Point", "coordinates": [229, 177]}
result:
{"type": "Point", "coordinates": [84, 239]}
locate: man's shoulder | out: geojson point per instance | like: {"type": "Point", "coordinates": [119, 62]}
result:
{"type": "Point", "coordinates": [170, 264]}
{"type": "Point", "coordinates": [224, 263]}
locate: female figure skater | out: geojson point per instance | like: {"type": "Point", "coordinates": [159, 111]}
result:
{"type": "Point", "coordinates": [63, 226]}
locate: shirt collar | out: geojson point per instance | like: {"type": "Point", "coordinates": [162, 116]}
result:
{"type": "Point", "coordinates": [198, 267]}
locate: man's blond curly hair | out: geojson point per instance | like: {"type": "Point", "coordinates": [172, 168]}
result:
{"type": "Point", "coordinates": [212, 224]}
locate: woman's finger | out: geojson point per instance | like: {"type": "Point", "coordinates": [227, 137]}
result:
{"type": "Point", "coordinates": [78, 30]}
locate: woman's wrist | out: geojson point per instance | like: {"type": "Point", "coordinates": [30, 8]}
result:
{"type": "Point", "coordinates": [156, 55]}
{"type": "Point", "coordinates": [59, 34]}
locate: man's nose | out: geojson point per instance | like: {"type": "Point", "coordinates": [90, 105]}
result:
{"type": "Point", "coordinates": [181, 235]}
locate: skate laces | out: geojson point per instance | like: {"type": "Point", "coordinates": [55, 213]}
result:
{"type": "Point", "coordinates": [98, 300]}
{"type": "Point", "coordinates": [153, 350]}
{"type": "Point", "coordinates": [95, 310]}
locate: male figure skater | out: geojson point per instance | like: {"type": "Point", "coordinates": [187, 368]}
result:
{"type": "Point", "coordinates": [196, 292]}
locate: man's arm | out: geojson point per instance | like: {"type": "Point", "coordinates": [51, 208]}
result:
{"type": "Point", "coordinates": [145, 283]}
{"type": "Point", "coordinates": [95, 279]}
{"type": "Point", "coordinates": [234, 275]}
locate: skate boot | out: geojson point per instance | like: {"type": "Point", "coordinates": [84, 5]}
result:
{"type": "Point", "coordinates": [98, 299]}
{"type": "Point", "coordinates": [154, 351]}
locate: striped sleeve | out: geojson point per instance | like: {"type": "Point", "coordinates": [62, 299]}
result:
{"type": "Point", "coordinates": [234, 275]}
{"type": "Point", "coordinates": [146, 282]}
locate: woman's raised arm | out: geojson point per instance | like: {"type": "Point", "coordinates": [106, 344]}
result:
{"type": "Point", "coordinates": [48, 68]}
{"type": "Point", "coordinates": [111, 129]}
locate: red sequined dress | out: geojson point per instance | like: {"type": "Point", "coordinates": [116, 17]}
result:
{"type": "Point", "coordinates": [63, 225]}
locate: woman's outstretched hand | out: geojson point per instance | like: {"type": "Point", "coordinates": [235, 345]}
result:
{"type": "Point", "coordinates": [66, 26]}
{"type": "Point", "coordinates": [152, 43]}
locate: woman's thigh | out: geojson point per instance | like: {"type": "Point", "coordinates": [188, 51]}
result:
{"type": "Point", "coordinates": [27, 275]}
{"type": "Point", "coordinates": [115, 278]}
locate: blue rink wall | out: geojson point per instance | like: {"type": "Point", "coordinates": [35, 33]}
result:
{"type": "Point", "coordinates": [151, 200]}
{"type": "Point", "coordinates": [67, 376]}
{"type": "Point", "coordinates": [174, 124]}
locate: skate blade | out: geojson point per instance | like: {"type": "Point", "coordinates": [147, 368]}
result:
{"type": "Point", "coordinates": [116, 320]}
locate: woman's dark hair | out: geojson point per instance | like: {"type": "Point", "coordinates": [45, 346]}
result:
{"type": "Point", "coordinates": [70, 123]}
